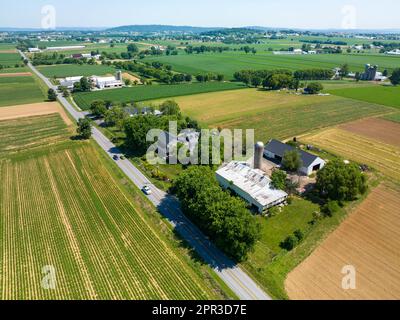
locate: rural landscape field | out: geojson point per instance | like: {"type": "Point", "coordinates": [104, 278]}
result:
{"type": "Point", "coordinates": [178, 161]}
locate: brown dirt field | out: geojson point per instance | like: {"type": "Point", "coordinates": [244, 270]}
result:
{"type": "Point", "coordinates": [17, 74]}
{"type": "Point", "coordinates": [8, 51]}
{"type": "Point", "coordinates": [369, 240]}
{"type": "Point", "coordinates": [375, 128]}
{"type": "Point", "coordinates": [35, 109]}
{"type": "Point", "coordinates": [126, 75]}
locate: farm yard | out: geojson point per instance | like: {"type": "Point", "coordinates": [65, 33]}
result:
{"type": "Point", "coordinates": [385, 95]}
{"type": "Point", "coordinates": [71, 70]}
{"type": "Point", "coordinates": [143, 93]}
{"type": "Point", "coordinates": [273, 114]}
{"type": "Point", "coordinates": [369, 240]}
{"type": "Point", "coordinates": [227, 63]}
{"type": "Point", "coordinates": [16, 90]}
{"type": "Point", "coordinates": [382, 156]}
{"type": "Point", "coordinates": [64, 205]}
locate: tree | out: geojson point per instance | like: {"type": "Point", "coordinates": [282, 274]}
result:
{"type": "Point", "coordinates": [256, 81]}
{"type": "Point", "coordinates": [224, 218]}
{"type": "Point", "coordinates": [289, 243]}
{"type": "Point", "coordinates": [395, 77]}
{"type": "Point", "coordinates": [52, 95]}
{"type": "Point", "coordinates": [278, 81]}
{"type": "Point", "coordinates": [85, 84]}
{"type": "Point", "coordinates": [314, 88]}
{"type": "Point", "coordinates": [170, 108]}
{"type": "Point", "coordinates": [98, 108]}
{"type": "Point", "coordinates": [220, 77]}
{"type": "Point", "coordinates": [278, 179]}
{"type": "Point", "coordinates": [115, 117]}
{"type": "Point", "coordinates": [292, 161]}
{"type": "Point", "coordinates": [341, 182]}
{"type": "Point", "coordinates": [133, 48]}
{"type": "Point", "coordinates": [84, 129]}
{"type": "Point", "coordinates": [127, 82]}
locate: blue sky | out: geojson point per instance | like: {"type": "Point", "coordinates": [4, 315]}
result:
{"type": "Point", "coordinates": [310, 14]}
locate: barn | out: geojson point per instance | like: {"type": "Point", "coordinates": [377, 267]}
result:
{"type": "Point", "coordinates": [275, 150]}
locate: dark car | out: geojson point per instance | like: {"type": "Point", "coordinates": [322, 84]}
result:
{"type": "Point", "coordinates": [116, 158]}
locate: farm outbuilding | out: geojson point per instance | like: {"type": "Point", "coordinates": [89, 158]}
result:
{"type": "Point", "coordinates": [275, 150]}
{"type": "Point", "coordinates": [250, 184]}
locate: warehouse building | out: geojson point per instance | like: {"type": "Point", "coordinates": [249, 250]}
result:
{"type": "Point", "coordinates": [250, 184]}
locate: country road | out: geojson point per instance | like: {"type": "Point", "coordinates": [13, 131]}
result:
{"type": "Point", "coordinates": [234, 277]}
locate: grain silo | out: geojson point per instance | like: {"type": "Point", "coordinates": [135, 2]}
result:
{"type": "Point", "coordinates": [258, 155]}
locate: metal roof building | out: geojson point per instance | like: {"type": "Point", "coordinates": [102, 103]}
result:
{"type": "Point", "coordinates": [276, 150]}
{"type": "Point", "coordinates": [250, 184]}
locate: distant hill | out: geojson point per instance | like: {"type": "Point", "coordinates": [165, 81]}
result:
{"type": "Point", "coordinates": [161, 28]}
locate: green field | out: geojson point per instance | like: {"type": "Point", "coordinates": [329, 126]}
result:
{"type": "Point", "coordinates": [16, 135]}
{"type": "Point", "coordinates": [71, 70]}
{"type": "Point", "coordinates": [273, 114]}
{"type": "Point", "coordinates": [143, 93]}
{"type": "Point", "coordinates": [385, 95]}
{"type": "Point", "coordinates": [8, 60]}
{"type": "Point", "coordinates": [393, 117]}
{"type": "Point", "coordinates": [66, 206]}
{"type": "Point", "coordinates": [228, 63]}
{"type": "Point", "coordinates": [19, 90]}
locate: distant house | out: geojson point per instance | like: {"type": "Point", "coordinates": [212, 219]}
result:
{"type": "Point", "coordinates": [69, 82]}
{"type": "Point", "coordinates": [34, 50]}
{"type": "Point", "coordinates": [275, 150]}
{"type": "Point", "coordinates": [250, 184]}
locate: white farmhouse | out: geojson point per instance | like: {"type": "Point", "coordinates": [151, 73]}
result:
{"type": "Point", "coordinates": [250, 184]}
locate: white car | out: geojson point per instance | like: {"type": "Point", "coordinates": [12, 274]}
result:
{"type": "Point", "coordinates": [146, 190]}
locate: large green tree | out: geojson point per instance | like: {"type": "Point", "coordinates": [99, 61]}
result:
{"type": "Point", "coordinates": [98, 108]}
{"type": "Point", "coordinates": [52, 95]}
{"type": "Point", "coordinates": [395, 77]}
{"type": "Point", "coordinates": [84, 129]}
{"type": "Point", "coordinates": [292, 161]}
{"type": "Point", "coordinates": [340, 181]}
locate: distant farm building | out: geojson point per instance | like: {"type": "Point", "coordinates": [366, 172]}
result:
{"type": "Point", "coordinates": [395, 52]}
{"type": "Point", "coordinates": [34, 50]}
{"type": "Point", "coordinates": [64, 48]}
{"type": "Point", "coordinates": [275, 150]}
{"type": "Point", "coordinates": [250, 184]}
{"type": "Point", "coordinates": [70, 81]}
{"type": "Point", "coordinates": [371, 74]}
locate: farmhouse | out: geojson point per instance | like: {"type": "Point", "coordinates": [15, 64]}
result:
{"type": "Point", "coordinates": [275, 150]}
{"type": "Point", "coordinates": [250, 184]}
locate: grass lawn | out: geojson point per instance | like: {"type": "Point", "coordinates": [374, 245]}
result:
{"type": "Point", "coordinates": [385, 95]}
{"type": "Point", "coordinates": [71, 70]}
{"type": "Point", "coordinates": [143, 93]}
{"type": "Point", "coordinates": [227, 63]}
{"type": "Point", "coordinates": [19, 90]}
{"type": "Point", "coordinates": [273, 114]}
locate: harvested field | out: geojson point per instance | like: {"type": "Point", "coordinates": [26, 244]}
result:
{"type": "Point", "coordinates": [378, 129]}
{"type": "Point", "coordinates": [369, 240]}
{"type": "Point", "coordinates": [35, 109]}
{"type": "Point", "coordinates": [8, 51]}
{"type": "Point", "coordinates": [18, 74]}
{"type": "Point", "coordinates": [383, 157]}
{"type": "Point", "coordinates": [131, 77]}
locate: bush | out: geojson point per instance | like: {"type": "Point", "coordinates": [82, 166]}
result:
{"type": "Point", "coordinates": [314, 88]}
{"type": "Point", "coordinates": [299, 235]}
{"type": "Point", "coordinates": [330, 208]}
{"type": "Point", "coordinates": [278, 179]}
{"type": "Point", "coordinates": [289, 243]}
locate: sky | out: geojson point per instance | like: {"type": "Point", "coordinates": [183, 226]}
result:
{"type": "Point", "coordinates": [305, 14]}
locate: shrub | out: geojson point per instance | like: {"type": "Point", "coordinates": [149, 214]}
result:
{"type": "Point", "coordinates": [289, 243]}
{"type": "Point", "coordinates": [330, 208]}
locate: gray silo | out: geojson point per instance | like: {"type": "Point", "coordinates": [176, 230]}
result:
{"type": "Point", "coordinates": [119, 75]}
{"type": "Point", "coordinates": [258, 155]}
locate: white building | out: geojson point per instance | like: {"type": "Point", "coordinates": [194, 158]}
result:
{"type": "Point", "coordinates": [34, 50]}
{"type": "Point", "coordinates": [395, 52]}
{"type": "Point", "coordinates": [108, 82]}
{"type": "Point", "coordinates": [250, 184]}
{"type": "Point", "coordinates": [70, 81]}
{"type": "Point", "coordinates": [275, 150]}
{"type": "Point", "coordinates": [65, 48]}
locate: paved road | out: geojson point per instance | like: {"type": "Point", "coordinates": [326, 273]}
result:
{"type": "Point", "coordinates": [240, 283]}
